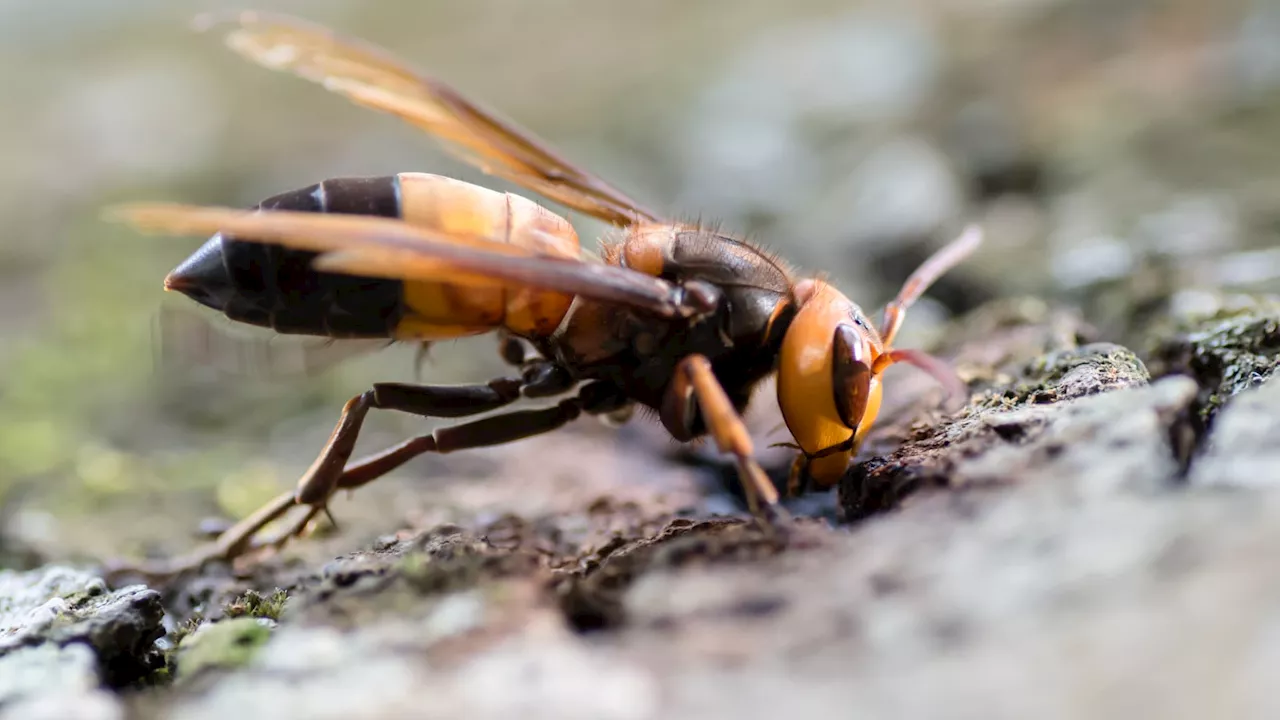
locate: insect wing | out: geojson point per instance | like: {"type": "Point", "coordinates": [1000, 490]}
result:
{"type": "Point", "coordinates": [373, 78]}
{"type": "Point", "coordinates": [383, 247]}
{"type": "Point", "coordinates": [185, 340]}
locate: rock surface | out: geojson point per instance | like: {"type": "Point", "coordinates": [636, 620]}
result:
{"type": "Point", "coordinates": [63, 635]}
{"type": "Point", "coordinates": [1244, 449]}
{"type": "Point", "coordinates": [1074, 542]}
{"type": "Point", "coordinates": [1079, 540]}
{"type": "Point", "coordinates": [54, 682]}
{"type": "Point", "coordinates": [1235, 348]}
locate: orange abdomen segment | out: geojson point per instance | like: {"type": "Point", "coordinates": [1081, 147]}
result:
{"type": "Point", "coordinates": [435, 311]}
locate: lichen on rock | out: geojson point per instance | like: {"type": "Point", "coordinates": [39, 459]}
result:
{"type": "Point", "coordinates": [223, 645]}
{"type": "Point", "coordinates": [54, 682]}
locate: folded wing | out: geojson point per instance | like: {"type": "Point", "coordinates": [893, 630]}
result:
{"type": "Point", "coordinates": [391, 248]}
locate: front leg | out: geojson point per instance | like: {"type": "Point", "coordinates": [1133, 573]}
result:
{"type": "Point", "coordinates": [694, 382]}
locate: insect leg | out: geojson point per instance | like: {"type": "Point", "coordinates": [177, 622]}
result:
{"type": "Point", "coordinates": [594, 399]}
{"type": "Point", "coordinates": [695, 382]}
{"type": "Point", "coordinates": [420, 357]}
{"type": "Point", "coordinates": [233, 542]}
{"type": "Point", "coordinates": [444, 401]}
{"type": "Point", "coordinates": [440, 401]}
{"type": "Point", "coordinates": [328, 473]}
{"type": "Point", "coordinates": [318, 483]}
{"type": "Point", "coordinates": [486, 432]}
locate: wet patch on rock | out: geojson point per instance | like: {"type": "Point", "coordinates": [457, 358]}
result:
{"type": "Point", "coordinates": [1227, 352]}
{"type": "Point", "coordinates": [1244, 449]}
{"type": "Point", "coordinates": [592, 595]}
{"type": "Point", "coordinates": [482, 605]}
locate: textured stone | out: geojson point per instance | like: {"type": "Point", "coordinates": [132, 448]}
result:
{"type": "Point", "coordinates": [1243, 451]}
{"type": "Point", "coordinates": [61, 605]}
{"type": "Point", "coordinates": [1235, 348]}
{"type": "Point", "coordinates": [53, 682]}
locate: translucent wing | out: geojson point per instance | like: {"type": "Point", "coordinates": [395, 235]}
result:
{"type": "Point", "coordinates": [373, 78]}
{"type": "Point", "coordinates": [185, 340]}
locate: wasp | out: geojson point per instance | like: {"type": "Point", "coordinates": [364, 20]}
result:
{"type": "Point", "coordinates": [673, 317]}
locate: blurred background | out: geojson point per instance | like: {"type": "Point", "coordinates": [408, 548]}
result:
{"type": "Point", "coordinates": [1121, 153]}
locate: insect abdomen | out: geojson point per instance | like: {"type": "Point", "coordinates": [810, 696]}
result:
{"type": "Point", "coordinates": [277, 287]}
{"type": "Point", "coordinates": [436, 310]}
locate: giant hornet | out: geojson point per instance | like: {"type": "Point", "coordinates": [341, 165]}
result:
{"type": "Point", "coordinates": [673, 317]}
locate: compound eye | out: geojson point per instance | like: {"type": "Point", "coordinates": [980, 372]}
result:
{"type": "Point", "coordinates": [850, 375]}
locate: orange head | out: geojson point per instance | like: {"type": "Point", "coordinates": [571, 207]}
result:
{"type": "Point", "coordinates": [831, 362]}
{"type": "Point", "coordinates": [827, 392]}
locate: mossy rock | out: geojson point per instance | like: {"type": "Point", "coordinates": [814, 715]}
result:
{"type": "Point", "coordinates": [1069, 374]}
{"type": "Point", "coordinates": [1226, 351]}
{"type": "Point", "coordinates": [255, 605]}
{"type": "Point", "coordinates": [226, 644]}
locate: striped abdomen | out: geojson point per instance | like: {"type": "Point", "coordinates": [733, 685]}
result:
{"type": "Point", "coordinates": [277, 287]}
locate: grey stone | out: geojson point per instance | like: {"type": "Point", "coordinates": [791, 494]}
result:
{"type": "Point", "coordinates": [53, 682]}
{"type": "Point", "coordinates": [1006, 602]}
{"type": "Point", "coordinates": [383, 670]}
{"type": "Point", "coordinates": [59, 606]}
